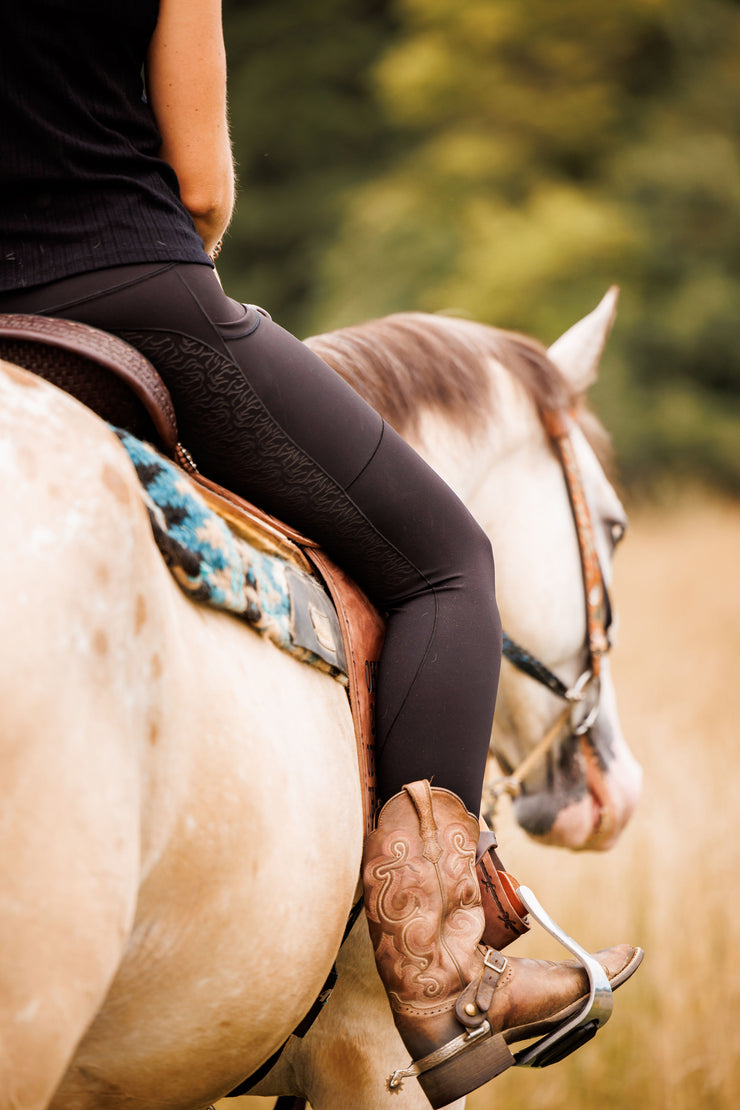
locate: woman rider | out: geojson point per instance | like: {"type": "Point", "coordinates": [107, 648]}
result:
{"type": "Point", "coordinates": [115, 197]}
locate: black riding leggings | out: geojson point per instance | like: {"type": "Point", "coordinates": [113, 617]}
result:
{"type": "Point", "coordinates": [263, 415]}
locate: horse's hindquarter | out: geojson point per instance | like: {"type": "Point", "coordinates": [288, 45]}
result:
{"type": "Point", "coordinates": [241, 912]}
{"type": "Point", "coordinates": [180, 797]}
{"type": "Point", "coordinates": [70, 791]}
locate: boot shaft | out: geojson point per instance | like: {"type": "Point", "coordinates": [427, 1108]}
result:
{"type": "Point", "coordinates": [422, 898]}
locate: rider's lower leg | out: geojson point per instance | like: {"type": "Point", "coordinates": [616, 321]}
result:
{"type": "Point", "coordinates": [458, 1004]}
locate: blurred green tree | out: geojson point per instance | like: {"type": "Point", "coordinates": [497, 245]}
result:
{"type": "Point", "coordinates": [509, 161]}
{"type": "Point", "coordinates": [553, 149]}
{"type": "Point", "coordinates": [305, 127]}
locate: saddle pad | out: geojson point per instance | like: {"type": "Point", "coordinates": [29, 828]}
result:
{"type": "Point", "coordinates": [215, 566]}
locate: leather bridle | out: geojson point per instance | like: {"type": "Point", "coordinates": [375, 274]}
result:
{"type": "Point", "coordinates": [583, 698]}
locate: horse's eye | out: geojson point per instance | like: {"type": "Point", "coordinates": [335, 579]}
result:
{"type": "Point", "coordinates": [617, 529]}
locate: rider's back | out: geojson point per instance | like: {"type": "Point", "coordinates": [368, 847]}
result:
{"type": "Point", "coordinates": [81, 180]}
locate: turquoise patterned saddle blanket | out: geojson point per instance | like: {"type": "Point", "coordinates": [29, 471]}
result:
{"type": "Point", "coordinates": [215, 566]}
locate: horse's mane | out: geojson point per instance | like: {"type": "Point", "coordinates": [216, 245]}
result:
{"type": "Point", "coordinates": [409, 362]}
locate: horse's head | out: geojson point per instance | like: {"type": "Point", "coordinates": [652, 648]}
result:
{"type": "Point", "coordinates": [557, 734]}
{"type": "Point", "coordinates": [473, 400]}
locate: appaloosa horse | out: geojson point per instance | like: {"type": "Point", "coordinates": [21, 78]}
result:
{"type": "Point", "coordinates": [181, 824]}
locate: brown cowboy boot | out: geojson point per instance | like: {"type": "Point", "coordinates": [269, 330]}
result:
{"type": "Point", "coordinates": [456, 1004]}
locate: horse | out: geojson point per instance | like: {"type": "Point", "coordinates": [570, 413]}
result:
{"type": "Point", "coordinates": [181, 820]}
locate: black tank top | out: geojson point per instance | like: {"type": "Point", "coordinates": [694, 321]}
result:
{"type": "Point", "coordinates": [81, 186]}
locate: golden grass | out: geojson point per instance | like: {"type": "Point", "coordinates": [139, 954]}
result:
{"type": "Point", "coordinates": [671, 884]}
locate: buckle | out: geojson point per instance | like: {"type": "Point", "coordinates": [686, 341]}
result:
{"type": "Point", "coordinates": [497, 964]}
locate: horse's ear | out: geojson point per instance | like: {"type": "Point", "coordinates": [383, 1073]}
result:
{"type": "Point", "coordinates": [578, 351]}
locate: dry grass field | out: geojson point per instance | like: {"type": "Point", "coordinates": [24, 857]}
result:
{"type": "Point", "coordinates": [672, 883]}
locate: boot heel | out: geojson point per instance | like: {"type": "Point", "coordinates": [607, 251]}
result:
{"type": "Point", "coordinates": [466, 1072]}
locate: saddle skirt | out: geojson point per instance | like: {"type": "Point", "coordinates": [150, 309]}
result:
{"type": "Point", "coordinates": [221, 549]}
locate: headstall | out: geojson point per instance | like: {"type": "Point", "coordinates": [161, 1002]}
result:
{"type": "Point", "coordinates": [583, 698]}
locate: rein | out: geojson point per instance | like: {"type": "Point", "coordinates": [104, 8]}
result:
{"type": "Point", "coordinates": [584, 696]}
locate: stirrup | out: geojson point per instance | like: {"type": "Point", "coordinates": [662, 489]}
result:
{"type": "Point", "coordinates": [554, 1046]}
{"type": "Point", "coordinates": [595, 1012]}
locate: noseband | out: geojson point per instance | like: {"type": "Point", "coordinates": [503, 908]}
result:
{"type": "Point", "coordinates": [583, 698]}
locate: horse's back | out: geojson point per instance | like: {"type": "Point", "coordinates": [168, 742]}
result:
{"type": "Point", "coordinates": [181, 810]}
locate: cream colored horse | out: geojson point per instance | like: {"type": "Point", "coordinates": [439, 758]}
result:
{"type": "Point", "coordinates": [180, 821]}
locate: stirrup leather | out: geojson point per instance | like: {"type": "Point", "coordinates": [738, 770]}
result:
{"type": "Point", "coordinates": [554, 1046]}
